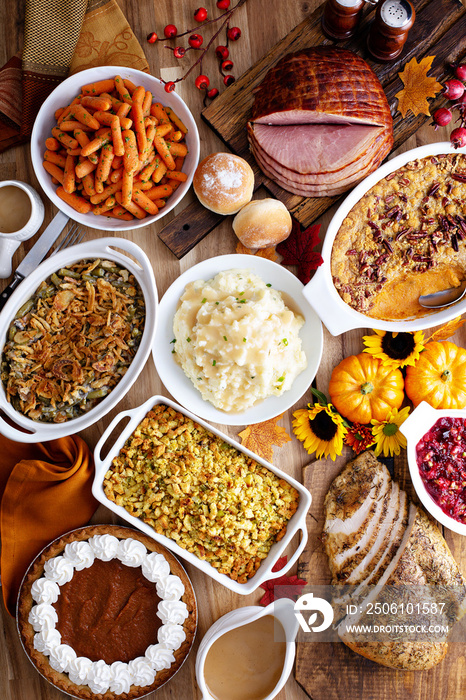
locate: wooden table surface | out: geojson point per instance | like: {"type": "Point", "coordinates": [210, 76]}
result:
{"type": "Point", "coordinates": [263, 23]}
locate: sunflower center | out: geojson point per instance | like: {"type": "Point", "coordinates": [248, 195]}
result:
{"type": "Point", "coordinates": [398, 346]}
{"type": "Point", "coordinates": [390, 429]}
{"type": "Point", "coordinates": [323, 427]}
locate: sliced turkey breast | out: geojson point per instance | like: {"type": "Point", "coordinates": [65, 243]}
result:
{"type": "Point", "coordinates": [407, 551]}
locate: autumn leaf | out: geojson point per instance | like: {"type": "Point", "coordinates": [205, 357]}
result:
{"type": "Point", "coordinates": [269, 253]}
{"type": "Point", "coordinates": [446, 331]}
{"type": "Point", "coordinates": [281, 587]}
{"type": "Point", "coordinates": [417, 87]}
{"type": "Point", "coordinates": [297, 249]}
{"type": "Point", "coordinates": [260, 437]}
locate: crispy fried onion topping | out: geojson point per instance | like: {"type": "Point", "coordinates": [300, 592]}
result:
{"type": "Point", "coordinates": [71, 343]}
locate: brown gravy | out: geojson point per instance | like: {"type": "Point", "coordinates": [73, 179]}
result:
{"type": "Point", "coordinates": [246, 663]}
{"type": "Point", "coordinates": [15, 209]}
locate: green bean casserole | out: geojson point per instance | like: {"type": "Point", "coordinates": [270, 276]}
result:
{"type": "Point", "coordinates": [70, 344]}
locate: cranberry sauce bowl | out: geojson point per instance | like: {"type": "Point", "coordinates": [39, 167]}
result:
{"type": "Point", "coordinates": [437, 462]}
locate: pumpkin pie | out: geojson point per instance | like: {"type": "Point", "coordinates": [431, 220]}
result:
{"type": "Point", "coordinates": [105, 612]}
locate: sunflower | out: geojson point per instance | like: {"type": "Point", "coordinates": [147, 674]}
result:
{"type": "Point", "coordinates": [387, 436]}
{"type": "Point", "coordinates": [359, 437]}
{"type": "Point", "coordinates": [395, 349]}
{"type": "Point", "coordinates": [320, 429]}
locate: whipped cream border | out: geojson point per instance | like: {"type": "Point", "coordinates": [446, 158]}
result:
{"type": "Point", "coordinates": [98, 675]}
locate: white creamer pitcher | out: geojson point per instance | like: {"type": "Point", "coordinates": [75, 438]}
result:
{"type": "Point", "coordinates": [282, 610]}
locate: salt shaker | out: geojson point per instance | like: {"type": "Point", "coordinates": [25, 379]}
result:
{"type": "Point", "coordinates": [341, 17]}
{"type": "Point", "coordinates": [389, 30]}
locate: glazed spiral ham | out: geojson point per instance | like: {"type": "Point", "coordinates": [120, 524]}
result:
{"type": "Point", "coordinates": [320, 122]}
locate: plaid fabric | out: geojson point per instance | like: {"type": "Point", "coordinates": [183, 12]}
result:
{"type": "Point", "coordinates": [61, 37]}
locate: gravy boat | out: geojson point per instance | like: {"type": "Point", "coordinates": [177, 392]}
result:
{"type": "Point", "coordinates": [283, 611]}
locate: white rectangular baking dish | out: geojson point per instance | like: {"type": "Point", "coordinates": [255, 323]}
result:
{"type": "Point", "coordinates": [297, 522]}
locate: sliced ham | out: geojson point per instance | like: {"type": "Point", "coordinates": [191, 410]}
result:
{"type": "Point", "coordinates": [316, 182]}
{"type": "Point", "coordinates": [320, 122]}
{"type": "Point", "coordinates": [315, 148]}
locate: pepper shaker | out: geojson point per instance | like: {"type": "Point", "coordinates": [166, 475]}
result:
{"type": "Point", "coordinates": [389, 30]}
{"type": "Point", "coordinates": [341, 17]}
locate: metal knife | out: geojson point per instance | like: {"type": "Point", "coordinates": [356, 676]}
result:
{"type": "Point", "coordinates": [37, 253]}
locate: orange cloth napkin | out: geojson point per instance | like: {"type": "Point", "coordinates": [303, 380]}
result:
{"type": "Point", "coordinates": [45, 491]}
{"type": "Point", "coordinates": [61, 37]}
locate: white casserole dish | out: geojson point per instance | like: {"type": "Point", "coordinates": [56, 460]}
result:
{"type": "Point", "coordinates": [414, 428]}
{"type": "Point", "coordinates": [63, 95]}
{"type": "Point", "coordinates": [103, 248]}
{"type": "Point", "coordinates": [321, 293]}
{"type": "Point", "coordinates": [296, 523]}
{"type": "Point", "coordinates": [182, 388]}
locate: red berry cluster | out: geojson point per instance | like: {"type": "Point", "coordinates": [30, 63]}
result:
{"type": "Point", "coordinates": [455, 91]}
{"type": "Point", "coordinates": [195, 42]}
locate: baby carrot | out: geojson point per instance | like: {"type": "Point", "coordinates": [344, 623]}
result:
{"type": "Point", "coordinates": [56, 158]}
{"type": "Point", "coordinates": [159, 113]}
{"type": "Point", "coordinates": [146, 103]}
{"type": "Point", "coordinates": [89, 184]}
{"type": "Point", "coordinates": [177, 175]}
{"type": "Point", "coordinates": [102, 196]}
{"type": "Point", "coordinates": [176, 120]}
{"type": "Point", "coordinates": [84, 167]}
{"type": "Point", "coordinates": [122, 89]}
{"type": "Point", "coordinates": [69, 175]}
{"type": "Point", "coordinates": [103, 169]}
{"type": "Point", "coordinates": [159, 192]}
{"type": "Point", "coordinates": [120, 212]}
{"type": "Point", "coordinates": [160, 170]}
{"type": "Point", "coordinates": [104, 206]}
{"type": "Point", "coordinates": [85, 117]}
{"type": "Point", "coordinates": [131, 207]}
{"type": "Point", "coordinates": [72, 124]}
{"type": "Point", "coordinates": [144, 202]}
{"type": "Point", "coordinates": [102, 103]}
{"type": "Point", "coordinates": [127, 188]}
{"type": "Point", "coordinates": [98, 87]}
{"type": "Point", "coordinates": [164, 152]}
{"type": "Point", "coordinates": [65, 139]}
{"type": "Point", "coordinates": [53, 170]}
{"type": "Point", "coordinates": [96, 143]}
{"type": "Point", "coordinates": [130, 158]}
{"type": "Point", "coordinates": [52, 144]}
{"type": "Point", "coordinates": [75, 201]}
{"type": "Point", "coordinates": [131, 87]}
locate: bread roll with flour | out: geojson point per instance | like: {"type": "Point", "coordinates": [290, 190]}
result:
{"type": "Point", "coordinates": [262, 223]}
{"type": "Point", "coordinates": [223, 183]}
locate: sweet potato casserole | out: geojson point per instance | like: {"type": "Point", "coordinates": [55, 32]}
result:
{"type": "Point", "coordinates": [201, 492]}
{"type": "Point", "coordinates": [71, 343]}
{"type": "Point", "coordinates": [405, 237]}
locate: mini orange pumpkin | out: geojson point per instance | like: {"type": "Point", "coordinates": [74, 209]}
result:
{"type": "Point", "coordinates": [361, 388]}
{"type": "Point", "coordinates": [439, 376]}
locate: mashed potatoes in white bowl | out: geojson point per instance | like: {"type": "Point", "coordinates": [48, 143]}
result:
{"type": "Point", "coordinates": [237, 343]}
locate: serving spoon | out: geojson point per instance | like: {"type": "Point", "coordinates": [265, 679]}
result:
{"type": "Point", "coordinates": [445, 297]}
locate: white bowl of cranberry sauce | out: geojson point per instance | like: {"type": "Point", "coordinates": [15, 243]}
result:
{"type": "Point", "coordinates": [437, 462]}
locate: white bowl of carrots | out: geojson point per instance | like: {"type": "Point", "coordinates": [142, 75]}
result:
{"type": "Point", "coordinates": [113, 150]}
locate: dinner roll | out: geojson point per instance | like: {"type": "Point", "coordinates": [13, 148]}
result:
{"type": "Point", "coordinates": [223, 183]}
{"type": "Point", "coordinates": [262, 223]}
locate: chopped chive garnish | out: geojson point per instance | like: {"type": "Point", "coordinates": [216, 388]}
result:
{"type": "Point", "coordinates": [225, 338]}
{"type": "Point", "coordinates": [204, 300]}
{"type": "Point", "coordinates": [280, 379]}
{"type": "Point", "coordinates": [244, 340]}
{"type": "Point", "coordinates": [284, 341]}
{"type": "Point", "coordinates": [173, 341]}
{"type": "Point", "coordinates": [268, 285]}
{"type": "Point", "coordinates": [214, 362]}
{"type": "Point", "coordinates": [188, 340]}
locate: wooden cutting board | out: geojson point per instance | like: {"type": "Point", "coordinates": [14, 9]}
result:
{"type": "Point", "coordinates": [439, 30]}
{"type": "Point", "coordinates": [331, 671]}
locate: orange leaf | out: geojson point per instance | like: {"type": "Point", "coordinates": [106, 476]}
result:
{"type": "Point", "coordinates": [417, 87]}
{"type": "Point", "coordinates": [260, 437]}
{"type": "Point", "coordinates": [269, 253]}
{"type": "Point", "coordinates": [446, 331]}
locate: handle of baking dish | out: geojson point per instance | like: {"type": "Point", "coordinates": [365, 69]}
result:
{"type": "Point", "coordinates": [133, 249]}
{"type": "Point", "coordinates": [336, 316]}
{"type": "Point", "coordinates": [106, 434]}
{"type": "Point", "coordinates": [294, 558]}
{"type": "Point", "coordinates": [17, 435]}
